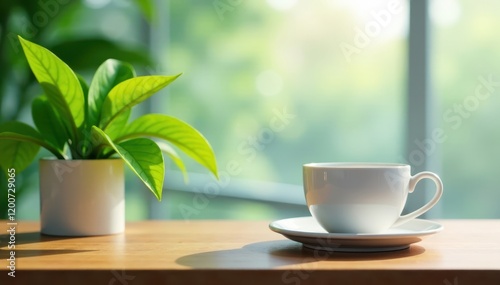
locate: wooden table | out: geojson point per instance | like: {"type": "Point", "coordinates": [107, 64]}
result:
{"type": "Point", "coordinates": [245, 252]}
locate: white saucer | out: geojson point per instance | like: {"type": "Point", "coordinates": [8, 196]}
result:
{"type": "Point", "coordinates": [308, 232]}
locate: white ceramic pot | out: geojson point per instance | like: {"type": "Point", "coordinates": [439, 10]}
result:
{"type": "Point", "coordinates": [82, 197]}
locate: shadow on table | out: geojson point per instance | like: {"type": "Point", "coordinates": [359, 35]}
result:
{"type": "Point", "coordinates": [270, 254]}
{"type": "Point", "coordinates": [29, 238]}
{"type": "Point", "coordinates": [23, 253]}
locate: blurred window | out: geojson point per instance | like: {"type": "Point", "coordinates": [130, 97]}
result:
{"type": "Point", "coordinates": [466, 77]}
{"type": "Point", "coordinates": [276, 84]}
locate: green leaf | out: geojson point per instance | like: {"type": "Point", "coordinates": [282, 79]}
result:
{"type": "Point", "coordinates": [17, 154]}
{"type": "Point", "coordinates": [144, 158]}
{"type": "Point", "coordinates": [116, 127]}
{"type": "Point", "coordinates": [147, 8]}
{"type": "Point", "coordinates": [107, 76]}
{"type": "Point", "coordinates": [170, 151]}
{"type": "Point", "coordinates": [130, 93]}
{"type": "Point", "coordinates": [20, 136]}
{"type": "Point", "coordinates": [59, 82]}
{"type": "Point", "coordinates": [177, 132]}
{"type": "Point", "coordinates": [83, 84]}
{"type": "Point", "coordinates": [85, 90]}
{"type": "Point", "coordinates": [84, 126]}
{"type": "Point", "coordinates": [48, 122]}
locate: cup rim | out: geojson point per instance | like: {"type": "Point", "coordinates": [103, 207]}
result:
{"type": "Point", "coordinates": [354, 165]}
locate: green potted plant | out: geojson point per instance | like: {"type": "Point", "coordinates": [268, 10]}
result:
{"type": "Point", "coordinates": [87, 129]}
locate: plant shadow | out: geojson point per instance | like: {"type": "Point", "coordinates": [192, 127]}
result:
{"type": "Point", "coordinates": [32, 238]}
{"type": "Point", "coordinates": [272, 254]}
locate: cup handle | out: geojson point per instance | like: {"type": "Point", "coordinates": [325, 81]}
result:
{"type": "Point", "coordinates": [413, 182]}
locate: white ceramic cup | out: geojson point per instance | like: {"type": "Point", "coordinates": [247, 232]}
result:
{"type": "Point", "coordinates": [362, 197]}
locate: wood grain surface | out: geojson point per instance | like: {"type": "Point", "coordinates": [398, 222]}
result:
{"type": "Point", "coordinates": [244, 252]}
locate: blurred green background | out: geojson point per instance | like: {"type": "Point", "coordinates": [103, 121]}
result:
{"type": "Point", "coordinates": [272, 86]}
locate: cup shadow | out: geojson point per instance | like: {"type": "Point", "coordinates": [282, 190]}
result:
{"type": "Point", "coordinates": [276, 253]}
